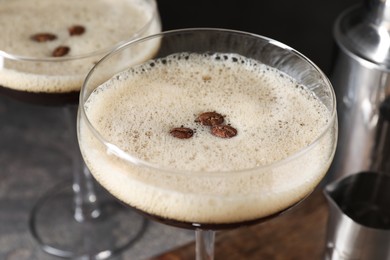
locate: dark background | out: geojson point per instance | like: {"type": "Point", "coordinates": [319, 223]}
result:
{"type": "Point", "coordinates": [305, 25]}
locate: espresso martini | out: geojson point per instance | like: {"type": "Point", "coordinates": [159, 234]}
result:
{"type": "Point", "coordinates": [49, 46]}
{"type": "Point", "coordinates": [206, 139]}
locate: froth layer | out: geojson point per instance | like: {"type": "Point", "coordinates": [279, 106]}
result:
{"type": "Point", "coordinates": [275, 117]}
{"type": "Point", "coordinates": [106, 23]}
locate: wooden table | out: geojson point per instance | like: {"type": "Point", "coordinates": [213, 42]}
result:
{"type": "Point", "coordinates": [298, 234]}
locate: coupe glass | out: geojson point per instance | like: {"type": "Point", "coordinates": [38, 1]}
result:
{"type": "Point", "coordinates": [205, 199]}
{"type": "Point", "coordinates": [74, 219]}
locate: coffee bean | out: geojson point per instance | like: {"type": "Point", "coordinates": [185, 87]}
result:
{"type": "Point", "coordinates": [182, 132]}
{"type": "Point", "coordinates": [60, 51]}
{"type": "Point", "coordinates": [223, 131]}
{"type": "Point", "coordinates": [76, 30]}
{"type": "Point", "coordinates": [43, 37]}
{"type": "Point", "coordinates": [210, 118]}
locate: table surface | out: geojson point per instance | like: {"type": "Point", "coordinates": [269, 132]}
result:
{"type": "Point", "coordinates": [297, 234]}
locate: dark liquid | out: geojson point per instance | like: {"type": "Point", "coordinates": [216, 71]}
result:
{"type": "Point", "coordinates": [212, 226]}
{"type": "Point", "coordinates": [369, 214]}
{"type": "Point", "coordinates": [42, 98]}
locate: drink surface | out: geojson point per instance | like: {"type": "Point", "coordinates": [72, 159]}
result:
{"type": "Point", "coordinates": [205, 178]}
{"type": "Point", "coordinates": [80, 27]}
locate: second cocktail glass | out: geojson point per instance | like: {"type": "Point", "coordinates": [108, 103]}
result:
{"type": "Point", "coordinates": [46, 50]}
{"type": "Point", "coordinates": [219, 130]}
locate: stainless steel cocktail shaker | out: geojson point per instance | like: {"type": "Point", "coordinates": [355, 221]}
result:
{"type": "Point", "coordinates": [361, 78]}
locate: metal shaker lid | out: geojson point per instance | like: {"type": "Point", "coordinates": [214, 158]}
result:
{"type": "Point", "coordinates": [364, 30]}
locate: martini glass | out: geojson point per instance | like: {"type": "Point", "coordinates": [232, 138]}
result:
{"type": "Point", "coordinates": [46, 50]}
{"type": "Point", "coordinates": [145, 132]}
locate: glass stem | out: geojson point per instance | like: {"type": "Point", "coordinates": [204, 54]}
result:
{"type": "Point", "coordinates": [204, 244]}
{"type": "Point", "coordinates": [85, 201]}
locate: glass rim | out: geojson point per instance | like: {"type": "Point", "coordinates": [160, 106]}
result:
{"type": "Point", "coordinates": [117, 151]}
{"type": "Point", "coordinates": [99, 52]}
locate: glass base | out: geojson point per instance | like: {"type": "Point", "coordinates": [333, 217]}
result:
{"type": "Point", "coordinates": [53, 225]}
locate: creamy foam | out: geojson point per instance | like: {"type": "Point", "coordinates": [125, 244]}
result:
{"type": "Point", "coordinates": [106, 22]}
{"type": "Point", "coordinates": [275, 117]}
